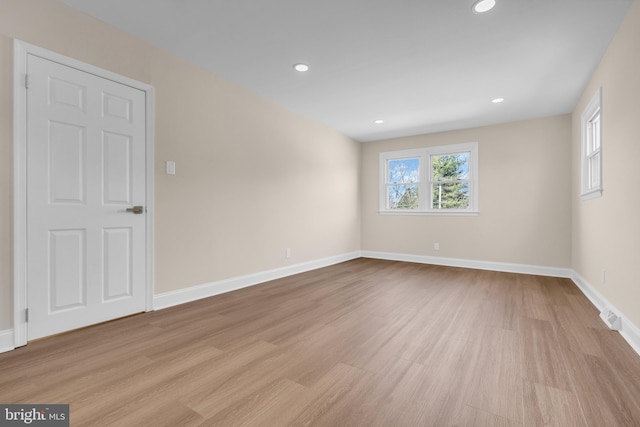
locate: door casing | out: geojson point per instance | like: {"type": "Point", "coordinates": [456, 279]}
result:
{"type": "Point", "coordinates": [21, 50]}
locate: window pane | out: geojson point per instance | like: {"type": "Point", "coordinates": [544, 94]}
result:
{"type": "Point", "coordinates": [596, 133]}
{"type": "Point", "coordinates": [403, 171]}
{"type": "Point", "coordinates": [450, 167]}
{"type": "Point", "coordinates": [593, 135]}
{"type": "Point", "coordinates": [450, 195]}
{"type": "Point", "coordinates": [402, 196]}
{"type": "Point", "coordinates": [594, 171]}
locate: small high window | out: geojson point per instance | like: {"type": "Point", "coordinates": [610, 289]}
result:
{"type": "Point", "coordinates": [591, 124]}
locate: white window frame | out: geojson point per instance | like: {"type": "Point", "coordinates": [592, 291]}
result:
{"type": "Point", "coordinates": [424, 184]}
{"type": "Point", "coordinates": [591, 157]}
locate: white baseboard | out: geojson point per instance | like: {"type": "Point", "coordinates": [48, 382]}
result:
{"type": "Point", "coordinates": [6, 340]}
{"type": "Point", "coordinates": [589, 291]}
{"type": "Point", "coordinates": [479, 265]}
{"type": "Point", "coordinates": [629, 331]}
{"type": "Point", "coordinates": [169, 299]}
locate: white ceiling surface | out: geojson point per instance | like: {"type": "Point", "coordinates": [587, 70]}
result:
{"type": "Point", "coordinates": [423, 66]}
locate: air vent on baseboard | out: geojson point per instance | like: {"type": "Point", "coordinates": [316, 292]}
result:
{"type": "Point", "coordinates": [612, 320]}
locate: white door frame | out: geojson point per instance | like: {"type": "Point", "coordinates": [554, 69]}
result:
{"type": "Point", "coordinates": [20, 52]}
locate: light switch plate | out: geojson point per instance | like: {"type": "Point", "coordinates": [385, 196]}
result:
{"type": "Point", "coordinates": [171, 167]}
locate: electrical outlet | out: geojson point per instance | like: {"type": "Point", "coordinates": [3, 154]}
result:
{"type": "Point", "coordinates": [436, 246]}
{"type": "Point", "coordinates": [603, 277]}
{"type": "Point", "coordinates": [287, 253]}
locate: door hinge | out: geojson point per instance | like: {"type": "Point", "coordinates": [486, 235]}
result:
{"type": "Point", "coordinates": [26, 315]}
{"type": "Point", "coordinates": [26, 81]}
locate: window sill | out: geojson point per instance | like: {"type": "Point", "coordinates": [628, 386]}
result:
{"type": "Point", "coordinates": [431, 213]}
{"type": "Point", "coordinates": [592, 194]}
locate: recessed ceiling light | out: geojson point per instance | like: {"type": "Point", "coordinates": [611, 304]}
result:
{"type": "Point", "coordinates": [481, 6]}
{"type": "Point", "coordinates": [497, 100]}
{"type": "Point", "coordinates": [379, 122]}
{"type": "Point", "coordinates": [301, 67]}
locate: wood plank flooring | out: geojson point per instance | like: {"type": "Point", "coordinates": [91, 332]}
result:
{"type": "Point", "coordinates": [362, 343]}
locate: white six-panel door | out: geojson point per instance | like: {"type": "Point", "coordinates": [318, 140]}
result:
{"type": "Point", "coordinates": [85, 167]}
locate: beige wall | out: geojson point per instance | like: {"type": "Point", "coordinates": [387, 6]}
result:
{"type": "Point", "coordinates": [606, 230]}
{"type": "Point", "coordinates": [252, 177]}
{"type": "Point", "coordinates": [524, 199]}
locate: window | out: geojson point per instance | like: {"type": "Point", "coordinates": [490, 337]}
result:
{"type": "Point", "coordinates": [433, 180]}
{"type": "Point", "coordinates": [591, 123]}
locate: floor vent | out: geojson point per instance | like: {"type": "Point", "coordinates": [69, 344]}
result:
{"type": "Point", "coordinates": [612, 320]}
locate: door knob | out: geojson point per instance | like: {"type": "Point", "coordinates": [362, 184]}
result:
{"type": "Point", "coordinates": [136, 209]}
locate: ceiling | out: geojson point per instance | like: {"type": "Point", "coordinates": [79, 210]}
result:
{"type": "Point", "coordinates": [422, 66]}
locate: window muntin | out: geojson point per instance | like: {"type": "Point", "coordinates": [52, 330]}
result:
{"type": "Point", "coordinates": [430, 180]}
{"type": "Point", "coordinates": [591, 123]}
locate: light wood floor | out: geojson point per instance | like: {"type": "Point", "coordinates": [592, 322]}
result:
{"type": "Point", "coordinates": [363, 343]}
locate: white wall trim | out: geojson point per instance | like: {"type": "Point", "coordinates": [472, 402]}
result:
{"type": "Point", "coordinates": [479, 265]}
{"type": "Point", "coordinates": [20, 52]}
{"type": "Point", "coordinates": [151, 191]}
{"type": "Point", "coordinates": [6, 340]}
{"type": "Point", "coordinates": [589, 291]}
{"type": "Point", "coordinates": [169, 299]}
{"type": "Point", "coordinates": [629, 331]}
{"type": "Point", "coordinates": [19, 194]}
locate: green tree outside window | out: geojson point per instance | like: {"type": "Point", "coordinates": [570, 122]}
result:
{"type": "Point", "coordinates": [450, 181]}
